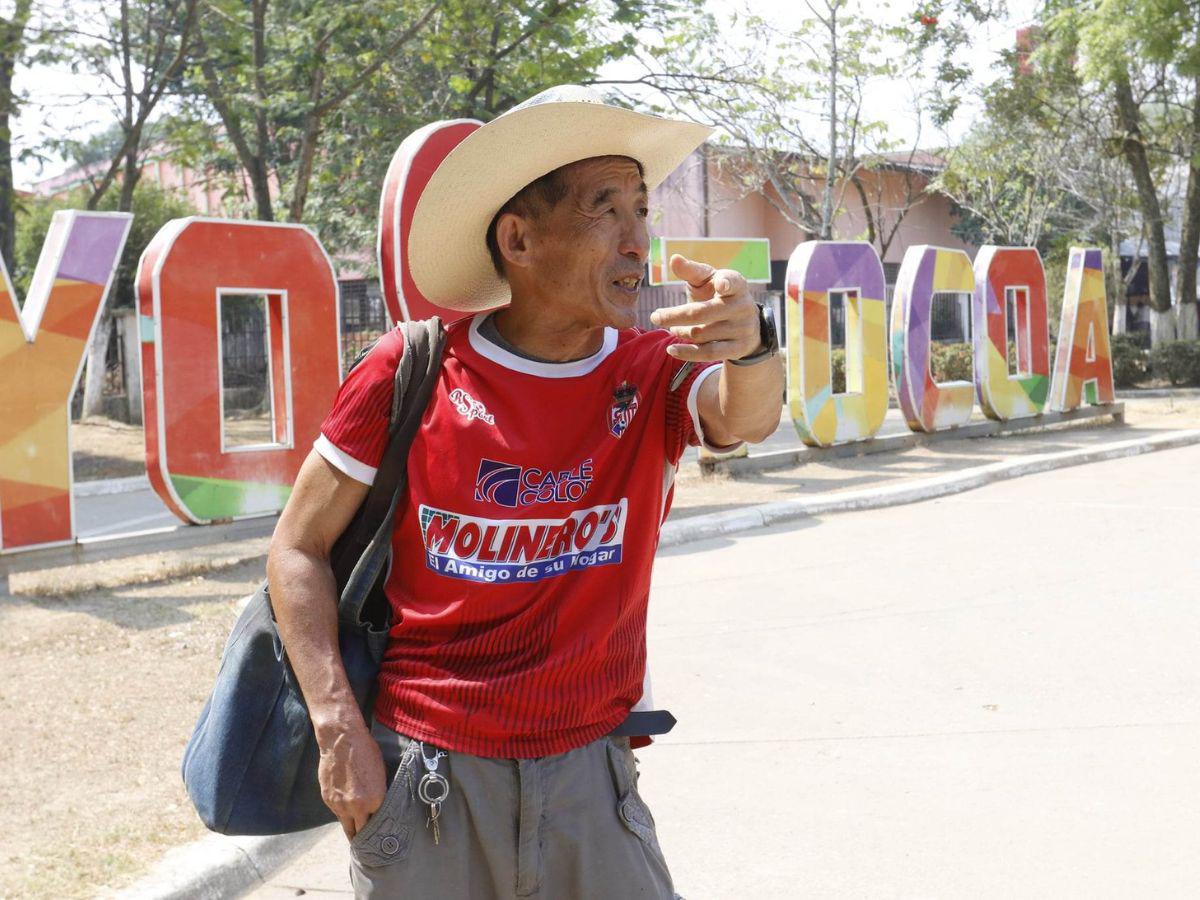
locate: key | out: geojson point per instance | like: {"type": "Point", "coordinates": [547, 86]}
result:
{"type": "Point", "coordinates": [435, 810]}
{"type": "Point", "coordinates": [433, 789]}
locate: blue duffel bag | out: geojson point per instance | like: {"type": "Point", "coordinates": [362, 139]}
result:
{"type": "Point", "coordinates": [251, 764]}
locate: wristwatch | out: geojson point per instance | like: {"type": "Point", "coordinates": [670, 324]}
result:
{"type": "Point", "coordinates": [768, 338]}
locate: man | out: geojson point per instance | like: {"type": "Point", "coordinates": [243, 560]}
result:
{"type": "Point", "coordinates": [537, 486]}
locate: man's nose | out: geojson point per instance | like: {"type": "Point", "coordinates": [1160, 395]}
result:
{"type": "Point", "coordinates": [635, 241]}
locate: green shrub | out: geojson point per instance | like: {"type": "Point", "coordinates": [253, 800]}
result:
{"type": "Point", "coordinates": [1177, 361]}
{"type": "Point", "coordinates": [952, 362]}
{"type": "Point", "coordinates": [1128, 360]}
{"type": "Point", "coordinates": [839, 370]}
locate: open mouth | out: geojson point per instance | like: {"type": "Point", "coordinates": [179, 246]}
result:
{"type": "Point", "coordinates": [629, 284]}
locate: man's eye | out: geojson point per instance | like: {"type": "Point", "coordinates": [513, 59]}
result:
{"type": "Point", "coordinates": [643, 212]}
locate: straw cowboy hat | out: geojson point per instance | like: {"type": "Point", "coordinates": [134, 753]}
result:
{"type": "Point", "coordinates": [447, 249]}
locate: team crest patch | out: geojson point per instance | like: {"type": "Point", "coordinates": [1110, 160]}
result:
{"type": "Point", "coordinates": [624, 408]}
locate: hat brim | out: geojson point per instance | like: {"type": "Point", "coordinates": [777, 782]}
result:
{"type": "Point", "coordinates": [447, 249]}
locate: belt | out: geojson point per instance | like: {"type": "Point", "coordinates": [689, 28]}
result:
{"type": "Point", "coordinates": [651, 721]}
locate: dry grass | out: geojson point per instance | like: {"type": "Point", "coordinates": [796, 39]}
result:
{"type": "Point", "coordinates": [100, 693]}
{"type": "Point", "coordinates": [105, 448]}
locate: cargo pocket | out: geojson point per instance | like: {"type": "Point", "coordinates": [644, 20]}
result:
{"type": "Point", "coordinates": [387, 837]}
{"type": "Point", "coordinates": [631, 809]}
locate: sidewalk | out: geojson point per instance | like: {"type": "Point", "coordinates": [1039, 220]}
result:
{"type": "Point", "coordinates": [697, 494]}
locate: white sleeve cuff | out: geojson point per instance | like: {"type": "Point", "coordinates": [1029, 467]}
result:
{"type": "Point", "coordinates": [343, 461]}
{"type": "Point", "coordinates": [693, 408]}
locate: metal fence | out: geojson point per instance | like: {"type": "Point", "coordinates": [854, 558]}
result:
{"type": "Point", "coordinates": [244, 377]}
{"type": "Point", "coordinates": [364, 316]}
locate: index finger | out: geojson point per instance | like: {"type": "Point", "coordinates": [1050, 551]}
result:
{"type": "Point", "coordinates": [697, 312]}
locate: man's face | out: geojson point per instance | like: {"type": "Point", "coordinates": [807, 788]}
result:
{"type": "Point", "coordinates": [589, 252]}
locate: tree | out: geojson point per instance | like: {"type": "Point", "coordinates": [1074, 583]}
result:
{"type": "Point", "coordinates": [12, 46]}
{"type": "Point", "coordinates": [140, 47]}
{"type": "Point", "coordinates": [470, 58]}
{"type": "Point", "coordinates": [790, 106]}
{"type": "Point", "coordinates": [273, 71]}
{"type": "Point", "coordinates": [1142, 57]}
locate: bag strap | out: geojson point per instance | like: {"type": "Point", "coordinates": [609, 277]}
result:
{"type": "Point", "coordinates": [369, 535]}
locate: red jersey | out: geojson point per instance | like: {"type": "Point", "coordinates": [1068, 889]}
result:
{"type": "Point", "coordinates": [522, 557]}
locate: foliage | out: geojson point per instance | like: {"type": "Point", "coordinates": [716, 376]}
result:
{"type": "Point", "coordinates": [788, 105]}
{"type": "Point", "coordinates": [951, 362]}
{"type": "Point", "coordinates": [137, 49]}
{"type": "Point", "coordinates": [1140, 59]}
{"type": "Point", "coordinates": [152, 208]}
{"type": "Point", "coordinates": [311, 113]}
{"type": "Point", "coordinates": [1128, 361]}
{"type": "Point", "coordinates": [1177, 361]}
{"type": "Point", "coordinates": [1039, 166]}
{"type": "Point", "coordinates": [837, 358]}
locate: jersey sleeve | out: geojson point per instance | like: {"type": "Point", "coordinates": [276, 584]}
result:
{"type": "Point", "coordinates": [684, 428]}
{"type": "Point", "coordinates": [354, 434]}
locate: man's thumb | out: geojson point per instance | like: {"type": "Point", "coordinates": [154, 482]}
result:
{"type": "Point", "coordinates": [697, 274]}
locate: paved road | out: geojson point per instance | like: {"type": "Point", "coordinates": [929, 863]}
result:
{"type": "Point", "coordinates": [991, 695]}
{"type": "Point", "coordinates": [108, 514]}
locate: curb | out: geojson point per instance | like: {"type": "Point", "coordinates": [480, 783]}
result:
{"type": "Point", "coordinates": [217, 867]}
{"type": "Point", "coordinates": [104, 486]}
{"type": "Point", "coordinates": [699, 528]}
{"type": "Point", "coordinates": [1156, 393]}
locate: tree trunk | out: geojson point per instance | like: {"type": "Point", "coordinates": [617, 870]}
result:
{"type": "Point", "coordinates": [259, 176]}
{"type": "Point", "coordinates": [129, 179]}
{"type": "Point", "coordinates": [12, 40]}
{"type": "Point", "coordinates": [97, 358]}
{"type": "Point", "coordinates": [8, 217]}
{"type": "Point", "coordinates": [1135, 155]}
{"type": "Point", "coordinates": [308, 148]}
{"type": "Point", "coordinates": [1120, 304]}
{"type": "Point", "coordinates": [1189, 240]}
{"type": "Point", "coordinates": [831, 163]}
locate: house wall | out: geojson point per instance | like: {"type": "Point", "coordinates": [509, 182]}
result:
{"type": "Point", "coordinates": [679, 212]}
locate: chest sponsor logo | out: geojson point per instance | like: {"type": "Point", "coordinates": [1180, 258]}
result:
{"type": "Point", "coordinates": [624, 407]}
{"type": "Point", "coordinates": [506, 551]}
{"type": "Point", "coordinates": [514, 486]}
{"type": "Point", "coordinates": [469, 407]}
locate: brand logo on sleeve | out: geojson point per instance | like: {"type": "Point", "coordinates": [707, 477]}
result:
{"type": "Point", "coordinates": [470, 407]}
{"type": "Point", "coordinates": [506, 484]}
{"type": "Point", "coordinates": [624, 407]}
{"type": "Point", "coordinates": [522, 550]}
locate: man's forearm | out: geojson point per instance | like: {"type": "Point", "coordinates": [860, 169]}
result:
{"type": "Point", "coordinates": [304, 598]}
{"type": "Point", "coordinates": [749, 399]}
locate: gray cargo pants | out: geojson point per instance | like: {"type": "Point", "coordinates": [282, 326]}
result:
{"type": "Point", "coordinates": [565, 827]}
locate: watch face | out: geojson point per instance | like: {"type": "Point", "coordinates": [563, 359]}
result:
{"type": "Point", "coordinates": [769, 334]}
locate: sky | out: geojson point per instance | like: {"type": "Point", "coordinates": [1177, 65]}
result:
{"type": "Point", "coordinates": [57, 104]}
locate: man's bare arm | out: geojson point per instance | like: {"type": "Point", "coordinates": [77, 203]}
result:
{"type": "Point", "coordinates": [721, 323]}
{"type": "Point", "coordinates": [304, 598]}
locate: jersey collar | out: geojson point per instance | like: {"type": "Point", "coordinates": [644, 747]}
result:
{"type": "Point", "coordinates": [502, 357]}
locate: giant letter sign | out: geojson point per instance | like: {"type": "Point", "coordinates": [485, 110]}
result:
{"type": "Point", "coordinates": [41, 353]}
{"type": "Point", "coordinates": [1011, 277]}
{"type": "Point", "coordinates": [1083, 362]}
{"type": "Point", "coordinates": [411, 168]}
{"type": "Point", "coordinates": [817, 270]}
{"type": "Point", "coordinates": [189, 267]}
{"type": "Point", "coordinates": [927, 406]}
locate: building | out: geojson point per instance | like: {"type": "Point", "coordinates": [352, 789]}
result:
{"type": "Point", "coordinates": [704, 198]}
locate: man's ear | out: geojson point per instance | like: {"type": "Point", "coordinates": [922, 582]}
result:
{"type": "Point", "coordinates": [514, 239]}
